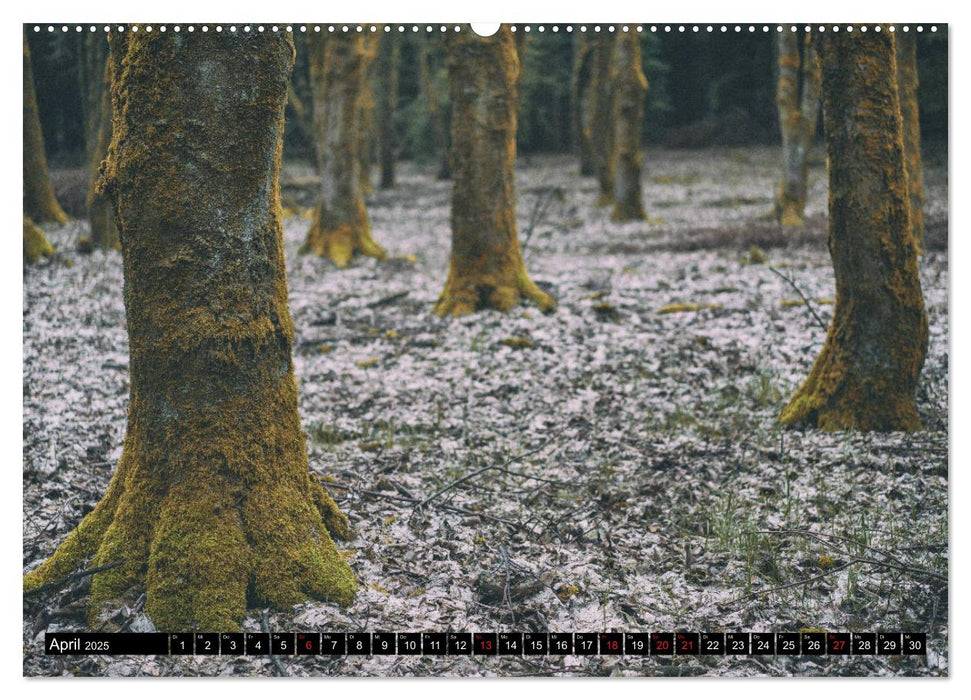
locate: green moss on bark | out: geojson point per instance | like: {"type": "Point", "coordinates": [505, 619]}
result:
{"type": "Point", "coordinates": [486, 268]}
{"type": "Point", "coordinates": [212, 507]}
{"type": "Point", "coordinates": [865, 377]}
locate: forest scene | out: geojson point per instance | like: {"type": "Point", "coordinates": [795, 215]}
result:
{"type": "Point", "coordinates": [570, 328]}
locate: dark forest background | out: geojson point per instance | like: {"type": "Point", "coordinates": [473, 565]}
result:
{"type": "Point", "coordinates": [704, 90]}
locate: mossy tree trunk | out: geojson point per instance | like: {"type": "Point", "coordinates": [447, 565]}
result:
{"type": "Point", "coordinates": [907, 83]}
{"type": "Point", "coordinates": [435, 109]}
{"type": "Point", "coordinates": [40, 204]}
{"type": "Point", "coordinates": [101, 216]}
{"type": "Point", "coordinates": [631, 86]}
{"type": "Point", "coordinates": [602, 117]}
{"type": "Point", "coordinates": [389, 63]}
{"type": "Point", "coordinates": [580, 116]}
{"type": "Point", "coordinates": [366, 125]}
{"type": "Point", "coordinates": [340, 228]}
{"type": "Point", "coordinates": [865, 377]}
{"type": "Point", "coordinates": [212, 507]}
{"type": "Point", "coordinates": [36, 245]}
{"type": "Point", "coordinates": [92, 57]}
{"type": "Point", "coordinates": [486, 268]}
{"type": "Point", "coordinates": [797, 97]}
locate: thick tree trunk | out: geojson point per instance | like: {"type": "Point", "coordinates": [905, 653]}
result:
{"type": "Point", "coordinates": [797, 97]}
{"type": "Point", "coordinates": [907, 84]}
{"type": "Point", "coordinates": [101, 215]}
{"type": "Point", "coordinates": [389, 62]}
{"type": "Point", "coordinates": [39, 201]}
{"type": "Point", "coordinates": [36, 245]}
{"type": "Point", "coordinates": [580, 96]}
{"type": "Point", "coordinates": [340, 227]}
{"type": "Point", "coordinates": [213, 506]}
{"type": "Point", "coordinates": [602, 117]}
{"type": "Point", "coordinates": [866, 375]}
{"type": "Point", "coordinates": [486, 268]}
{"type": "Point", "coordinates": [631, 86]}
{"type": "Point", "coordinates": [435, 111]}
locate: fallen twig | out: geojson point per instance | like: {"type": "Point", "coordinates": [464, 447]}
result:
{"type": "Point", "coordinates": [472, 475]}
{"type": "Point", "coordinates": [801, 296]}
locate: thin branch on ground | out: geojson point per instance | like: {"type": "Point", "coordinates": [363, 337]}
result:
{"type": "Point", "coordinates": [477, 472]}
{"type": "Point", "coordinates": [801, 296]}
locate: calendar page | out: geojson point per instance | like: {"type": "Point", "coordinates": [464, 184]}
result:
{"type": "Point", "coordinates": [522, 349]}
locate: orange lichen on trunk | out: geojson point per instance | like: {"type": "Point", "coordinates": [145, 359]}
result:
{"type": "Point", "coordinates": [486, 268]}
{"type": "Point", "coordinates": [212, 507]}
{"type": "Point", "coordinates": [340, 228]}
{"type": "Point", "coordinates": [40, 204]}
{"type": "Point", "coordinates": [797, 97]}
{"type": "Point", "coordinates": [631, 86]}
{"type": "Point", "coordinates": [865, 377]}
{"type": "Point", "coordinates": [907, 83]}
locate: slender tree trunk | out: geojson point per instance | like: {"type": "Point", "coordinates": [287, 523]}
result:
{"type": "Point", "coordinates": [36, 245]}
{"type": "Point", "coordinates": [212, 507]}
{"type": "Point", "coordinates": [439, 129]}
{"type": "Point", "coordinates": [92, 57]}
{"type": "Point", "coordinates": [797, 97]}
{"type": "Point", "coordinates": [580, 95]}
{"type": "Point", "coordinates": [340, 227]}
{"type": "Point", "coordinates": [101, 215]}
{"type": "Point", "coordinates": [366, 125]}
{"type": "Point", "coordinates": [602, 117]}
{"type": "Point", "coordinates": [865, 377]}
{"type": "Point", "coordinates": [40, 204]}
{"type": "Point", "coordinates": [631, 86]}
{"type": "Point", "coordinates": [486, 268]}
{"type": "Point", "coordinates": [389, 62]}
{"type": "Point", "coordinates": [907, 84]}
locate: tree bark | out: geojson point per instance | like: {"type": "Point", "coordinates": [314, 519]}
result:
{"type": "Point", "coordinates": [40, 204]}
{"type": "Point", "coordinates": [92, 56]}
{"type": "Point", "coordinates": [212, 506]}
{"type": "Point", "coordinates": [602, 117]}
{"type": "Point", "coordinates": [389, 62]}
{"type": "Point", "coordinates": [36, 245]}
{"type": "Point", "coordinates": [631, 86]}
{"type": "Point", "coordinates": [865, 377]}
{"type": "Point", "coordinates": [340, 227]}
{"type": "Point", "coordinates": [101, 217]}
{"type": "Point", "coordinates": [907, 84]}
{"type": "Point", "coordinates": [366, 125]}
{"type": "Point", "coordinates": [439, 129]}
{"type": "Point", "coordinates": [580, 93]}
{"type": "Point", "coordinates": [797, 97]}
{"type": "Point", "coordinates": [486, 268]}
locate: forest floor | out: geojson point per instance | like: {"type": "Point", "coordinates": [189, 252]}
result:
{"type": "Point", "coordinates": [639, 480]}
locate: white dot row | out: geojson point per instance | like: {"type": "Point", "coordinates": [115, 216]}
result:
{"type": "Point", "coordinates": [345, 28]}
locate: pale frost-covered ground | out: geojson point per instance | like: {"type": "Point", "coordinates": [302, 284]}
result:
{"type": "Point", "coordinates": [645, 484]}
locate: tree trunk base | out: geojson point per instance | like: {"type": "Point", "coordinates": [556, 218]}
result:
{"type": "Point", "coordinates": [340, 243]}
{"type": "Point", "coordinates": [831, 399]}
{"type": "Point", "coordinates": [36, 245]}
{"type": "Point", "coordinates": [467, 294]}
{"type": "Point", "coordinates": [271, 547]}
{"type": "Point", "coordinates": [790, 213]}
{"type": "Point", "coordinates": [628, 211]}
